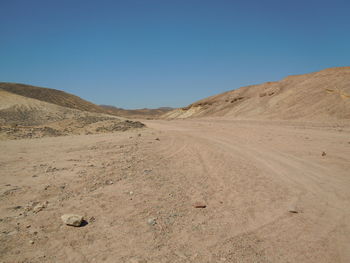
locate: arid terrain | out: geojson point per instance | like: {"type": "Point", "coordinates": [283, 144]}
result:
{"type": "Point", "coordinates": [137, 192]}
{"type": "Point", "coordinates": [138, 113]}
{"type": "Point", "coordinates": [260, 179]}
{"type": "Point", "coordinates": [322, 96]}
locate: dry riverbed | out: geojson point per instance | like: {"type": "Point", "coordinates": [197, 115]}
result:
{"type": "Point", "coordinates": [209, 190]}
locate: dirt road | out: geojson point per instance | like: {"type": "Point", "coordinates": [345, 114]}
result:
{"type": "Point", "coordinates": [269, 191]}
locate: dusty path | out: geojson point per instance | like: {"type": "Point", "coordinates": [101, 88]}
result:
{"type": "Point", "coordinates": [248, 174]}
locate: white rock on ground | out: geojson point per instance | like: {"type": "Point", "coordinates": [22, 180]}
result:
{"type": "Point", "coordinates": [72, 220]}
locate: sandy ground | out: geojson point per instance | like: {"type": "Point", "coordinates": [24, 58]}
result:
{"type": "Point", "coordinates": [137, 190]}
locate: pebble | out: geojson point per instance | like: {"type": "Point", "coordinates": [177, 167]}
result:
{"type": "Point", "coordinates": [147, 171]}
{"type": "Point", "coordinates": [109, 182]}
{"type": "Point", "coordinates": [293, 210]}
{"type": "Point", "coordinates": [324, 154]}
{"type": "Point", "coordinates": [152, 221]}
{"type": "Point", "coordinates": [39, 207]}
{"type": "Point", "coordinates": [31, 242]}
{"type": "Point", "coordinates": [199, 205]}
{"type": "Point", "coordinates": [72, 219]}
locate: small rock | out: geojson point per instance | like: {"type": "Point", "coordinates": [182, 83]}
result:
{"type": "Point", "coordinates": [293, 210]}
{"type": "Point", "coordinates": [324, 154]}
{"type": "Point", "coordinates": [152, 221]}
{"type": "Point", "coordinates": [28, 226]}
{"type": "Point", "coordinates": [31, 242]}
{"type": "Point", "coordinates": [33, 233]}
{"type": "Point", "coordinates": [131, 193]}
{"type": "Point", "coordinates": [199, 205]}
{"type": "Point", "coordinates": [147, 171]}
{"type": "Point", "coordinates": [39, 207]}
{"type": "Point", "coordinates": [72, 220]}
{"type": "Point", "coordinates": [109, 182]}
{"type": "Point", "coordinates": [46, 187]}
{"type": "Point", "coordinates": [157, 139]}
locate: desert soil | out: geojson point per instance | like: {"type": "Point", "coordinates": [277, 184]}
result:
{"type": "Point", "coordinates": [270, 194]}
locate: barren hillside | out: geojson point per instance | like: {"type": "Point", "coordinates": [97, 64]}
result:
{"type": "Point", "coordinates": [321, 95]}
{"type": "Point", "coordinates": [138, 113]}
{"type": "Point", "coordinates": [23, 117]}
{"type": "Point", "coordinates": [53, 96]}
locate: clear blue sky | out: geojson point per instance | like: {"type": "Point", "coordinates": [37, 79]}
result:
{"type": "Point", "coordinates": [148, 53]}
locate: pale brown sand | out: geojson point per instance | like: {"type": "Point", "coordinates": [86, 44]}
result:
{"type": "Point", "coordinates": [249, 174]}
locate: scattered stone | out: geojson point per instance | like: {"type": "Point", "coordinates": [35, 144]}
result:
{"type": "Point", "coordinates": [92, 219]}
{"type": "Point", "coordinates": [72, 220]}
{"type": "Point", "coordinates": [293, 210]}
{"type": "Point", "coordinates": [28, 226]}
{"type": "Point", "coordinates": [139, 134]}
{"type": "Point", "coordinates": [31, 242]}
{"type": "Point", "coordinates": [147, 171]}
{"type": "Point", "coordinates": [109, 182]}
{"type": "Point", "coordinates": [152, 221]}
{"type": "Point", "coordinates": [157, 139]}
{"type": "Point", "coordinates": [33, 232]}
{"type": "Point", "coordinates": [39, 207]}
{"type": "Point", "coordinates": [199, 205]}
{"type": "Point", "coordinates": [131, 193]}
{"type": "Point", "coordinates": [324, 154]}
{"type": "Point", "coordinates": [46, 187]}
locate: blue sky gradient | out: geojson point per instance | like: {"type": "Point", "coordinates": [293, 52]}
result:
{"type": "Point", "coordinates": [149, 53]}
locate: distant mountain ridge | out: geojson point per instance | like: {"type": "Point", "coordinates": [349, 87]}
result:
{"type": "Point", "coordinates": [137, 113]}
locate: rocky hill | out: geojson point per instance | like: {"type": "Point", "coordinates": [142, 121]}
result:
{"type": "Point", "coordinates": [26, 117]}
{"type": "Point", "coordinates": [52, 96]}
{"type": "Point", "coordinates": [323, 95]}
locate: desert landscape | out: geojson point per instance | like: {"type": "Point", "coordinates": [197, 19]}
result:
{"type": "Point", "coordinates": [256, 174]}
